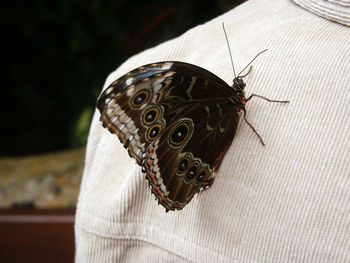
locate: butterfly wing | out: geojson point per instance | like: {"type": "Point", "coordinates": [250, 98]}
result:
{"type": "Point", "coordinates": [177, 120]}
{"type": "Point", "coordinates": [122, 106]}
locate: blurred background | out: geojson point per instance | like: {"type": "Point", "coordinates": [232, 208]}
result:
{"type": "Point", "coordinates": [56, 57]}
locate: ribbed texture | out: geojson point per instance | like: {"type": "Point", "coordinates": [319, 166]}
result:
{"type": "Point", "coordinates": [335, 10]}
{"type": "Point", "coordinates": [286, 202]}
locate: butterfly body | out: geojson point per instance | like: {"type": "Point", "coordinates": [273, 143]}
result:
{"type": "Point", "coordinates": [177, 120]}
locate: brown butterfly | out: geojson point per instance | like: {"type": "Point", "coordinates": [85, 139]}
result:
{"type": "Point", "coordinates": [177, 121]}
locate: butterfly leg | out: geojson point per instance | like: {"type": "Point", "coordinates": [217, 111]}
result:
{"type": "Point", "coordinates": [251, 126]}
{"type": "Point", "coordinates": [267, 99]}
{"type": "Point", "coordinates": [245, 113]}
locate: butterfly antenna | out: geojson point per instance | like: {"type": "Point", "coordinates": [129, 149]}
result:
{"type": "Point", "coordinates": [252, 61]}
{"type": "Point", "coordinates": [229, 49]}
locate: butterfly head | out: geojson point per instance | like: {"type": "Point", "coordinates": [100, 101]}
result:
{"type": "Point", "coordinates": [238, 86]}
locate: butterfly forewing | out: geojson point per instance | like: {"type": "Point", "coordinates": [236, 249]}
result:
{"type": "Point", "coordinates": [124, 103]}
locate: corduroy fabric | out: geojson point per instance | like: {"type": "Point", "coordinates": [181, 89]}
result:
{"type": "Point", "coordinates": [335, 10]}
{"type": "Point", "coordinates": [286, 202]}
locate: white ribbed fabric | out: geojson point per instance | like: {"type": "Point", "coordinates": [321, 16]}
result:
{"type": "Point", "coordinates": [335, 10]}
{"type": "Point", "coordinates": [286, 202]}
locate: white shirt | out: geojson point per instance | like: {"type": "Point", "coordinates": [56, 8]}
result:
{"type": "Point", "coordinates": [286, 202]}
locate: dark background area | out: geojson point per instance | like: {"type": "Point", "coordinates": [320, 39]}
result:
{"type": "Point", "coordinates": [56, 56]}
{"type": "Point", "coordinates": [58, 53]}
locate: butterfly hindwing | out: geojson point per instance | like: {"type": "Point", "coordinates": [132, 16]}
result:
{"type": "Point", "coordinates": [184, 158]}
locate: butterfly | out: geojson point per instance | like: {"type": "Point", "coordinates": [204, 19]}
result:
{"type": "Point", "coordinates": [177, 120]}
